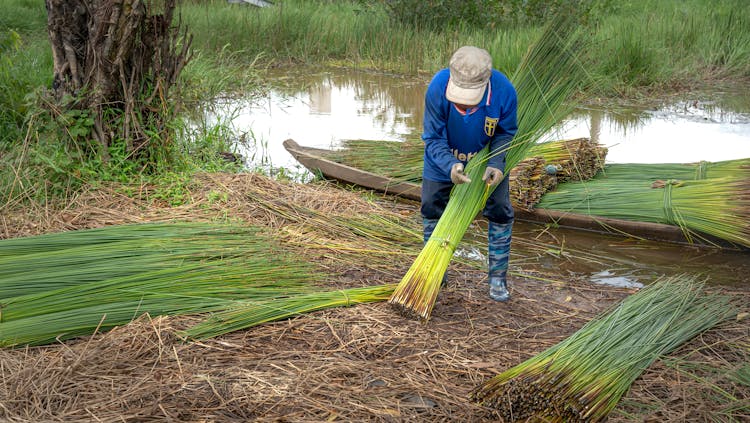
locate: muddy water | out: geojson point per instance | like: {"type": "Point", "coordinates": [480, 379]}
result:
{"type": "Point", "coordinates": [320, 108]}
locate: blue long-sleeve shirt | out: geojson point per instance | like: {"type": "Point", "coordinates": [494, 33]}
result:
{"type": "Point", "coordinates": [451, 137]}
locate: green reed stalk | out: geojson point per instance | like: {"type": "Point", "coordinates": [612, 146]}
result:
{"type": "Point", "coordinates": [583, 377]}
{"type": "Point", "coordinates": [546, 80]}
{"type": "Point", "coordinates": [239, 315]}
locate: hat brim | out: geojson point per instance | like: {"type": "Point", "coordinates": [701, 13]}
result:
{"type": "Point", "coordinates": [465, 96]}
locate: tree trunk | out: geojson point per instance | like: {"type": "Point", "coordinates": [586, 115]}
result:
{"type": "Point", "coordinates": [117, 59]}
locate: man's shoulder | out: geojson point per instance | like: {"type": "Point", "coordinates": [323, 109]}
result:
{"type": "Point", "coordinates": [499, 78]}
{"type": "Point", "coordinates": [441, 77]}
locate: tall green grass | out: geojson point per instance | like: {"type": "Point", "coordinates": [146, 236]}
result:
{"type": "Point", "coordinates": [639, 44]}
{"type": "Point", "coordinates": [344, 32]}
{"type": "Point", "coordinates": [655, 42]}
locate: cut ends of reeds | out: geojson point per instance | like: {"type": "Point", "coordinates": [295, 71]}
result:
{"type": "Point", "coordinates": [415, 297]}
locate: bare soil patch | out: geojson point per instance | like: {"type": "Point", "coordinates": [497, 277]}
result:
{"type": "Point", "coordinates": [365, 363]}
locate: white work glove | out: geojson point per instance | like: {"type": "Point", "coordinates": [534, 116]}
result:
{"type": "Point", "coordinates": [457, 174]}
{"type": "Point", "coordinates": [492, 176]}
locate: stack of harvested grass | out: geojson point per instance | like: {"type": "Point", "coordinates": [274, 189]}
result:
{"type": "Point", "coordinates": [733, 169]}
{"type": "Point", "coordinates": [185, 268]}
{"type": "Point", "coordinates": [528, 183]}
{"type": "Point", "coordinates": [719, 207]}
{"type": "Point", "coordinates": [576, 160]}
{"type": "Point", "coordinates": [584, 377]}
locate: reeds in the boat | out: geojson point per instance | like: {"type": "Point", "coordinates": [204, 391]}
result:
{"type": "Point", "coordinates": [529, 180]}
{"type": "Point", "coordinates": [719, 207]}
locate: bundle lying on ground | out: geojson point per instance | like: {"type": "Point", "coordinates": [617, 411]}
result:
{"type": "Point", "coordinates": [584, 377]}
{"type": "Point", "coordinates": [46, 262]}
{"type": "Point", "coordinates": [246, 314]}
{"type": "Point", "coordinates": [236, 263]}
{"type": "Point", "coordinates": [576, 160]}
{"type": "Point", "coordinates": [546, 79]}
{"type": "Point", "coordinates": [717, 206]}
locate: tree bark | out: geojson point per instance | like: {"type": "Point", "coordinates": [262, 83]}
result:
{"type": "Point", "coordinates": [117, 59]}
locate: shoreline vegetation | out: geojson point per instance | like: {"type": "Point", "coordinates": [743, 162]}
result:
{"type": "Point", "coordinates": [636, 49]}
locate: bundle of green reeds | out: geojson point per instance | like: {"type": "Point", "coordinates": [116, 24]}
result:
{"type": "Point", "coordinates": [546, 80]}
{"type": "Point", "coordinates": [576, 160]}
{"type": "Point", "coordinates": [45, 262]}
{"type": "Point", "coordinates": [529, 181]}
{"type": "Point", "coordinates": [730, 169]}
{"type": "Point", "coordinates": [191, 268]}
{"type": "Point", "coordinates": [719, 207]}
{"type": "Point", "coordinates": [245, 314]}
{"type": "Point", "coordinates": [583, 377]}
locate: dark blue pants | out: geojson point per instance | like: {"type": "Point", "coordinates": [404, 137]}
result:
{"type": "Point", "coordinates": [435, 197]}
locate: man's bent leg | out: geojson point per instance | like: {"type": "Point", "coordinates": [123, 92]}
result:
{"type": "Point", "coordinates": [500, 214]}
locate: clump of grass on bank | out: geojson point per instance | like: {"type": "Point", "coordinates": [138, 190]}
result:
{"type": "Point", "coordinates": [654, 43]}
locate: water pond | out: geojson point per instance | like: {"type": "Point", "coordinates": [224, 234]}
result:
{"type": "Point", "coordinates": [322, 107]}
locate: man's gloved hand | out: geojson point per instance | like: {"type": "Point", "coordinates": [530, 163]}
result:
{"type": "Point", "coordinates": [457, 174]}
{"type": "Point", "coordinates": [492, 176]}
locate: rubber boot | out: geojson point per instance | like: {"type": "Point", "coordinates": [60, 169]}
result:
{"type": "Point", "coordinates": [499, 236]}
{"type": "Point", "coordinates": [429, 226]}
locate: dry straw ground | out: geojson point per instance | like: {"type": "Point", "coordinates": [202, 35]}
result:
{"type": "Point", "coordinates": [364, 363]}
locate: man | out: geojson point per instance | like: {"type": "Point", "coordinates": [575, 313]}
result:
{"type": "Point", "coordinates": [468, 106]}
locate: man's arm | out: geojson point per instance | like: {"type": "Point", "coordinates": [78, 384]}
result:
{"type": "Point", "coordinates": [435, 134]}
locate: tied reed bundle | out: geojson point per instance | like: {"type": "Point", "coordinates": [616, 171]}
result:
{"type": "Point", "coordinates": [546, 79]}
{"type": "Point", "coordinates": [733, 169]}
{"type": "Point", "coordinates": [584, 377]}
{"type": "Point", "coordinates": [417, 292]}
{"type": "Point", "coordinates": [719, 207]}
{"type": "Point", "coordinates": [235, 262]}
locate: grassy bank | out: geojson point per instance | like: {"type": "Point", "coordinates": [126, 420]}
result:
{"type": "Point", "coordinates": [636, 47]}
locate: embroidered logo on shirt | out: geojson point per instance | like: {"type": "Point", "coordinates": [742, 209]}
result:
{"type": "Point", "coordinates": [489, 125]}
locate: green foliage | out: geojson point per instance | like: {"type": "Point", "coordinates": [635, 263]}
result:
{"type": "Point", "coordinates": [635, 45]}
{"type": "Point", "coordinates": [487, 14]}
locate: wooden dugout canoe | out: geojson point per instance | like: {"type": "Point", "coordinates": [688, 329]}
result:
{"type": "Point", "coordinates": [314, 160]}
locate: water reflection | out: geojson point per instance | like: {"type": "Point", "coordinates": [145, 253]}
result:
{"type": "Point", "coordinates": [320, 108]}
{"type": "Point", "coordinates": [679, 132]}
